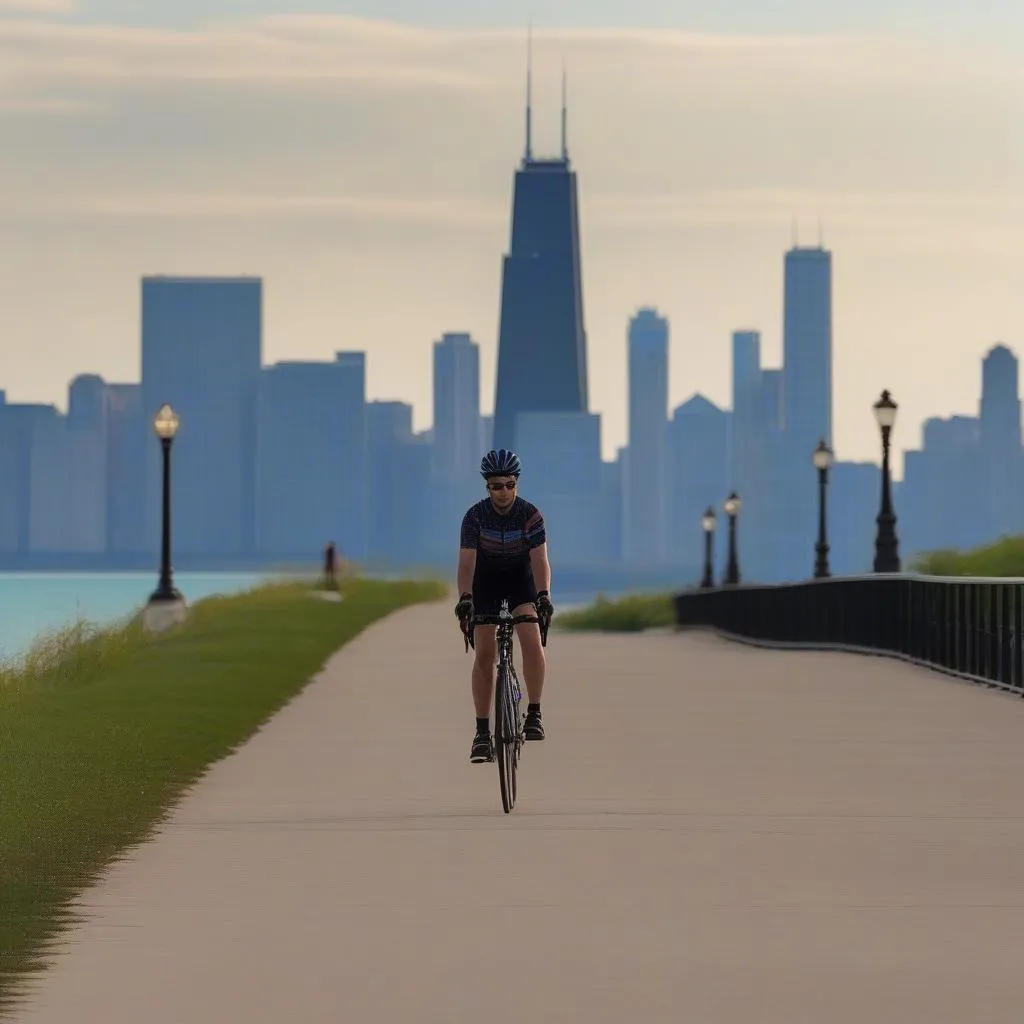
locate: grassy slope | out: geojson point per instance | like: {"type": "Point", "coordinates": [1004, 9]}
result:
{"type": "Point", "coordinates": [1005, 557]}
{"type": "Point", "coordinates": [629, 614]}
{"type": "Point", "coordinates": [100, 733]}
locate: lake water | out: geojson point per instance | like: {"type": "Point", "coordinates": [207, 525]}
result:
{"type": "Point", "coordinates": [33, 603]}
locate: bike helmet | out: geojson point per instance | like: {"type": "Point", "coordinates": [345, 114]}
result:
{"type": "Point", "coordinates": [500, 463]}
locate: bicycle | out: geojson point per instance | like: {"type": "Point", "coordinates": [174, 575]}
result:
{"type": "Point", "coordinates": [508, 721]}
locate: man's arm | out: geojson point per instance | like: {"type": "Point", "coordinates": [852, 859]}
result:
{"type": "Point", "coordinates": [467, 566]}
{"type": "Point", "coordinates": [541, 566]}
{"type": "Point", "coordinates": [469, 540]}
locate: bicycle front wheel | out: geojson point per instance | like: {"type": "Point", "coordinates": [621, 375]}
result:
{"type": "Point", "coordinates": [505, 737]}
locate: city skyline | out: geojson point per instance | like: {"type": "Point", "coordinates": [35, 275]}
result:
{"type": "Point", "coordinates": [275, 456]}
{"type": "Point", "coordinates": [915, 440]}
{"type": "Point", "coordinates": [688, 191]}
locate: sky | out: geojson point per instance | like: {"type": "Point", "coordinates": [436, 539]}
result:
{"type": "Point", "coordinates": [359, 157]}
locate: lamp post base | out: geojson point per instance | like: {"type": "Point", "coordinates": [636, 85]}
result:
{"type": "Point", "coordinates": [821, 569]}
{"type": "Point", "coordinates": [164, 611]}
{"type": "Point", "coordinates": [887, 557]}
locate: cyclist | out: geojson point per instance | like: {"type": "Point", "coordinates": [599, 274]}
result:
{"type": "Point", "coordinates": [503, 553]}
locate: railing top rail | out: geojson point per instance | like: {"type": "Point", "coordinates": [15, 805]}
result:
{"type": "Point", "coordinates": [862, 577]}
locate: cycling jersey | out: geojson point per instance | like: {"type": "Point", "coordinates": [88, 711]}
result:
{"type": "Point", "coordinates": [503, 544]}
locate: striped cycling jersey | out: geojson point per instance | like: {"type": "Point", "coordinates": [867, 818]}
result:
{"type": "Point", "coordinates": [503, 541]}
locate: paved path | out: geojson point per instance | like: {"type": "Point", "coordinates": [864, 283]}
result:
{"type": "Point", "coordinates": [711, 834]}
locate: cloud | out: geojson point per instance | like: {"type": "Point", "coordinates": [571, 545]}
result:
{"type": "Point", "coordinates": [303, 116]}
{"type": "Point", "coordinates": [665, 213]}
{"type": "Point", "coordinates": [232, 206]}
{"type": "Point", "coordinates": [330, 48]}
{"type": "Point", "coordinates": [33, 106]}
{"type": "Point", "coordinates": [34, 53]}
{"type": "Point", "coordinates": [38, 6]}
{"type": "Point", "coordinates": [350, 161]}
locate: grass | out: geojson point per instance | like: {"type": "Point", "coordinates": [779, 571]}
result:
{"type": "Point", "coordinates": [630, 614]}
{"type": "Point", "coordinates": [1004, 557]}
{"type": "Point", "coordinates": [101, 730]}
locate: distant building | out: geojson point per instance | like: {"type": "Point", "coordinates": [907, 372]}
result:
{"type": "Point", "coordinates": [19, 427]}
{"type": "Point", "coordinates": [392, 516]}
{"type": "Point", "coordinates": [312, 464]}
{"type": "Point", "coordinates": [806, 409]}
{"type": "Point", "coordinates": [644, 487]}
{"type": "Point", "coordinates": [68, 488]}
{"type": "Point", "coordinates": [129, 438]}
{"type": "Point", "coordinates": [542, 341]}
{"type": "Point", "coordinates": [698, 472]}
{"type": "Point", "coordinates": [1002, 461]}
{"type": "Point", "coordinates": [807, 348]}
{"type": "Point", "coordinates": [202, 342]}
{"type": "Point", "coordinates": [561, 453]}
{"type": "Point", "coordinates": [456, 431]}
{"type": "Point", "coordinates": [852, 504]}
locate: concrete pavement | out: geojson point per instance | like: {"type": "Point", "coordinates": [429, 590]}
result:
{"type": "Point", "coordinates": [711, 834]}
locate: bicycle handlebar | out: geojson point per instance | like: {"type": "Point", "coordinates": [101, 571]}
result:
{"type": "Point", "coordinates": [494, 620]}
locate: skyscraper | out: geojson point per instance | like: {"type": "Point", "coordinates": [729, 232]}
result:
{"type": "Point", "coordinates": [202, 344]}
{"type": "Point", "coordinates": [747, 425]}
{"type": "Point", "coordinates": [1000, 437]}
{"type": "Point", "coordinates": [644, 490]}
{"type": "Point", "coordinates": [1000, 402]}
{"type": "Point", "coordinates": [456, 407]}
{"type": "Point", "coordinates": [806, 413]}
{"type": "Point", "coordinates": [807, 349]}
{"type": "Point", "coordinates": [542, 343]}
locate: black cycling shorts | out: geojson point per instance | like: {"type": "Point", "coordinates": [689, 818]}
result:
{"type": "Point", "coordinates": [490, 588]}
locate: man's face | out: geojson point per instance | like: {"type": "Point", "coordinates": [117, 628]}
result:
{"type": "Point", "coordinates": [502, 490]}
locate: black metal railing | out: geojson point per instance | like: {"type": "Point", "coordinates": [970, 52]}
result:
{"type": "Point", "coordinates": [971, 628]}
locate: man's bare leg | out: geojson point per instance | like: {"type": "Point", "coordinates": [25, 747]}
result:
{"type": "Point", "coordinates": [534, 663]}
{"type": "Point", "coordinates": [485, 643]}
{"type": "Point", "coordinates": [534, 668]}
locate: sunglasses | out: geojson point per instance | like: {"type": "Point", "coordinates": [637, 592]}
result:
{"type": "Point", "coordinates": [507, 486]}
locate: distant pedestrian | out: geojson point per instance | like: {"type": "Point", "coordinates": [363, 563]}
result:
{"type": "Point", "coordinates": [331, 565]}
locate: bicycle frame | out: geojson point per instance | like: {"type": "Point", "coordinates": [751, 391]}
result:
{"type": "Point", "coordinates": [508, 730]}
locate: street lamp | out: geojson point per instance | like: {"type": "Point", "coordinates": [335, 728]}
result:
{"type": "Point", "coordinates": [165, 426]}
{"type": "Point", "coordinates": [708, 524]}
{"type": "Point", "coordinates": [732, 510]}
{"type": "Point", "coordinates": [887, 558]}
{"type": "Point", "coordinates": [822, 459]}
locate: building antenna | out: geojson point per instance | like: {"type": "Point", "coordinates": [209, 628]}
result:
{"type": "Point", "coordinates": [565, 117]}
{"type": "Point", "coordinates": [796, 240]}
{"type": "Point", "coordinates": [821, 233]}
{"type": "Point", "coordinates": [529, 91]}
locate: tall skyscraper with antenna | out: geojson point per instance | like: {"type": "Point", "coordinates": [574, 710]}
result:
{"type": "Point", "coordinates": [542, 342]}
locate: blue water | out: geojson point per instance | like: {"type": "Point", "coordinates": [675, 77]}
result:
{"type": "Point", "coordinates": [35, 603]}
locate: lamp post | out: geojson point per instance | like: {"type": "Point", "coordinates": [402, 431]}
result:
{"type": "Point", "coordinates": [822, 459]}
{"type": "Point", "coordinates": [708, 524]}
{"type": "Point", "coordinates": [732, 510]}
{"type": "Point", "coordinates": [887, 558]}
{"type": "Point", "coordinates": [165, 426]}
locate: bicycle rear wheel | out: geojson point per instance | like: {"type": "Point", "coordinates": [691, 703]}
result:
{"type": "Point", "coordinates": [517, 718]}
{"type": "Point", "coordinates": [505, 738]}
